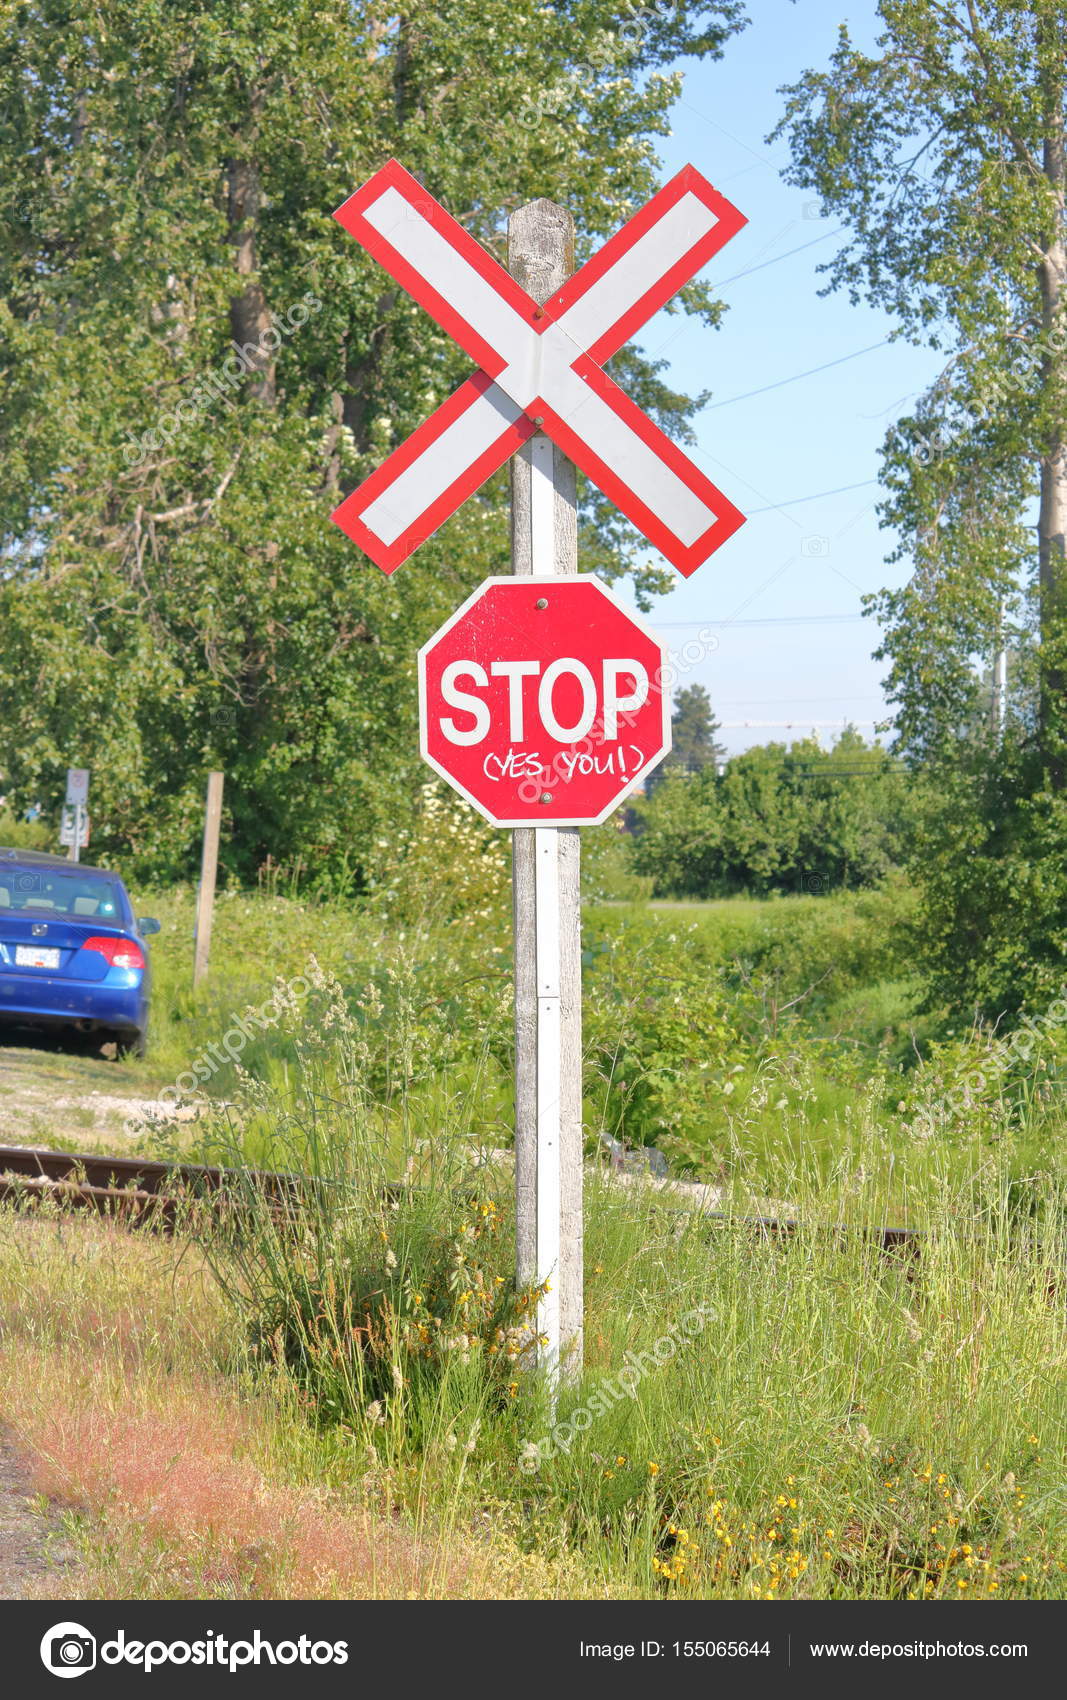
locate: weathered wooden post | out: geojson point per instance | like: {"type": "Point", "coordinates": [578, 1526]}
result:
{"type": "Point", "coordinates": [209, 862]}
{"type": "Point", "coordinates": [545, 862]}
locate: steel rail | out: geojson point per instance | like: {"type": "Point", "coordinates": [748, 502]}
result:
{"type": "Point", "coordinates": [144, 1188]}
{"type": "Point", "coordinates": [136, 1188]}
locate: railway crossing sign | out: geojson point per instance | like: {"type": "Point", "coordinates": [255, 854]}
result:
{"type": "Point", "coordinates": [542, 702]}
{"type": "Point", "coordinates": [540, 368]}
{"type": "Point", "coordinates": [542, 698]}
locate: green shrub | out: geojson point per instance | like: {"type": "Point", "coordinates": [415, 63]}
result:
{"type": "Point", "coordinates": [689, 1045]}
{"type": "Point", "coordinates": [447, 866]}
{"type": "Point", "coordinates": [991, 872]}
{"type": "Point", "coordinates": [371, 1301]}
{"type": "Point", "coordinates": [777, 819]}
{"type": "Point", "coordinates": [392, 1270]}
{"type": "Point", "coordinates": [608, 871]}
{"type": "Point", "coordinates": [20, 834]}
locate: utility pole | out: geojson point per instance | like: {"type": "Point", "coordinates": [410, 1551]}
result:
{"type": "Point", "coordinates": [205, 895]}
{"type": "Point", "coordinates": [547, 915]}
{"type": "Point", "coordinates": [999, 699]}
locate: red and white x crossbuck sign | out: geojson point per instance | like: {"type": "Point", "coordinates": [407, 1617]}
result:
{"type": "Point", "coordinates": [540, 366]}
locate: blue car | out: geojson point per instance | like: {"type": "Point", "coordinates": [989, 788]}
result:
{"type": "Point", "coordinates": [72, 952]}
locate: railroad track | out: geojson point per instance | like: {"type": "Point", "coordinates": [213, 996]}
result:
{"type": "Point", "coordinates": [786, 1227]}
{"type": "Point", "coordinates": [142, 1189]}
{"type": "Point", "coordinates": [135, 1189]}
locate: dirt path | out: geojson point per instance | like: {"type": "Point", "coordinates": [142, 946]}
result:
{"type": "Point", "coordinates": [35, 1563]}
{"type": "Point", "coordinates": [70, 1100]}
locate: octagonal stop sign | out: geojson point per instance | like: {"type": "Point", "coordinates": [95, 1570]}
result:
{"type": "Point", "coordinates": [542, 701]}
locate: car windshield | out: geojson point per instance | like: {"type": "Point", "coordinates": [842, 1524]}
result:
{"type": "Point", "coordinates": [34, 891]}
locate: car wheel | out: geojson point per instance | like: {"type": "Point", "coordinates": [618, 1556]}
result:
{"type": "Point", "coordinates": [131, 1044]}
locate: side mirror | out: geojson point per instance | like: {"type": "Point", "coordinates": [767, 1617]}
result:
{"type": "Point", "coordinates": [146, 926]}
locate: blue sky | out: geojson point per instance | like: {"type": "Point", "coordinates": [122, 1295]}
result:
{"type": "Point", "coordinates": [801, 566]}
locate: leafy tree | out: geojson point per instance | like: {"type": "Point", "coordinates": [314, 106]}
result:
{"type": "Point", "coordinates": [943, 152]}
{"type": "Point", "coordinates": [693, 741]}
{"type": "Point", "coordinates": [693, 729]}
{"type": "Point", "coordinates": [797, 819]}
{"type": "Point", "coordinates": [196, 363]}
{"type": "Point", "coordinates": [678, 835]}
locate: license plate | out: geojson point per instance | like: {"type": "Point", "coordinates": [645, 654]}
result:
{"type": "Point", "coordinates": [32, 956]}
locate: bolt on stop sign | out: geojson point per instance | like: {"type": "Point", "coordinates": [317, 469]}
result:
{"type": "Point", "coordinates": [542, 701]}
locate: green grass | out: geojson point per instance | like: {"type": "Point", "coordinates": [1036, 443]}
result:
{"type": "Point", "coordinates": [834, 1424]}
{"type": "Point", "coordinates": [738, 1036]}
{"type": "Point", "coordinates": [913, 1409]}
{"type": "Point", "coordinates": [756, 1418]}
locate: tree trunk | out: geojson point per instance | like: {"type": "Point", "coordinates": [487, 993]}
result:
{"type": "Point", "coordinates": [1052, 566]}
{"type": "Point", "coordinates": [249, 318]}
{"type": "Point", "coordinates": [1052, 514]}
{"type": "Point", "coordinates": [363, 393]}
{"type": "Point", "coordinates": [363, 397]}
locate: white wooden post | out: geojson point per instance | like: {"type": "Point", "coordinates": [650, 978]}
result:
{"type": "Point", "coordinates": [548, 1020]}
{"type": "Point", "coordinates": [209, 861]}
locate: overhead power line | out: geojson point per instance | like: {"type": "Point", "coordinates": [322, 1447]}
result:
{"type": "Point", "coordinates": [796, 376]}
{"type": "Point", "coordinates": [767, 620]}
{"type": "Point", "coordinates": [776, 702]}
{"type": "Point", "coordinates": [774, 260]}
{"type": "Point", "coordinates": [796, 725]}
{"type": "Point", "coordinates": [795, 501]}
